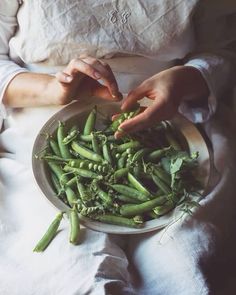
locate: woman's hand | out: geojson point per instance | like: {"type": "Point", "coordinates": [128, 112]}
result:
{"type": "Point", "coordinates": [78, 79]}
{"type": "Point", "coordinates": [81, 77]}
{"type": "Point", "coordinates": [167, 90]}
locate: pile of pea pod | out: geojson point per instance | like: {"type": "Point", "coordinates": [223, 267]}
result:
{"type": "Point", "coordinates": [124, 182]}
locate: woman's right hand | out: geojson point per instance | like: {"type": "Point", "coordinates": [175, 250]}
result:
{"type": "Point", "coordinates": [80, 78]}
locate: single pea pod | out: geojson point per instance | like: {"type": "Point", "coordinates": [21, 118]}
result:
{"type": "Point", "coordinates": [86, 138]}
{"type": "Point", "coordinates": [138, 185]}
{"type": "Point", "coordinates": [49, 235]}
{"type": "Point", "coordinates": [157, 154]}
{"type": "Point", "coordinates": [127, 200]}
{"type": "Point", "coordinates": [131, 144]}
{"type": "Point", "coordinates": [90, 122]}
{"type": "Point", "coordinates": [56, 184]}
{"type": "Point", "coordinates": [70, 137]}
{"type": "Point", "coordinates": [122, 161]}
{"type": "Point", "coordinates": [71, 196]}
{"type": "Point", "coordinates": [138, 209]}
{"type": "Point", "coordinates": [64, 150]}
{"type": "Point", "coordinates": [86, 153]}
{"type": "Point", "coordinates": [104, 196]}
{"type": "Point", "coordinates": [54, 146]}
{"type": "Point", "coordinates": [161, 184]}
{"type": "Point", "coordinates": [82, 172]}
{"type": "Point", "coordinates": [140, 154]}
{"type": "Point", "coordinates": [163, 209]}
{"type": "Point", "coordinates": [107, 153]}
{"type": "Point", "coordinates": [55, 158]}
{"type": "Point", "coordinates": [74, 226]}
{"type": "Point", "coordinates": [163, 175]}
{"type": "Point", "coordinates": [96, 145]}
{"type": "Point", "coordinates": [122, 117]}
{"type": "Point", "coordinates": [121, 173]}
{"type": "Point", "coordinates": [57, 170]}
{"type": "Point", "coordinates": [129, 192]}
{"type": "Point", "coordinates": [117, 220]}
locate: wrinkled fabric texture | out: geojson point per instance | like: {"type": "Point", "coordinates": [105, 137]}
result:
{"type": "Point", "coordinates": [195, 256]}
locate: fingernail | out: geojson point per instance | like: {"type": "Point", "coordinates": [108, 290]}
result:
{"type": "Point", "coordinates": [97, 75]}
{"type": "Point", "coordinates": [68, 78]}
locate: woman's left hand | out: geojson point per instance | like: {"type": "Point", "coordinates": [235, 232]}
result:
{"type": "Point", "coordinates": [167, 89]}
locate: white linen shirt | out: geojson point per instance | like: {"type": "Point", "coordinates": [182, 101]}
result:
{"type": "Point", "coordinates": [39, 35]}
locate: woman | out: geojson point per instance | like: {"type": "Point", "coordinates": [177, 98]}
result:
{"type": "Point", "coordinates": [170, 51]}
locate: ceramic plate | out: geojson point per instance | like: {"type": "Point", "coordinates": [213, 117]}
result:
{"type": "Point", "coordinates": [76, 114]}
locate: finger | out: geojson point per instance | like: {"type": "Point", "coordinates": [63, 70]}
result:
{"type": "Point", "coordinates": [114, 117]}
{"type": "Point", "coordinates": [148, 118]}
{"type": "Point", "coordinates": [79, 66]}
{"type": "Point", "coordinates": [106, 75]}
{"type": "Point", "coordinates": [135, 95]}
{"type": "Point", "coordinates": [63, 77]}
{"type": "Point", "coordinates": [96, 89]}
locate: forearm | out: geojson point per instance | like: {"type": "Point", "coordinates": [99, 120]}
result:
{"type": "Point", "coordinates": [29, 90]}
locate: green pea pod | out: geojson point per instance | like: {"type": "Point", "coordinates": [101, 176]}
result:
{"type": "Point", "coordinates": [55, 158]}
{"type": "Point", "coordinates": [129, 192]}
{"type": "Point", "coordinates": [58, 172]}
{"type": "Point", "coordinates": [122, 117]}
{"type": "Point", "coordinates": [163, 209]}
{"type": "Point", "coordinates": [131, 144]}
{"type": "Point", "coordinates": [163, 175]}
{"type": "Point", "coordinates": [95, 144]}
{"type": "Point", "coordinates": [71, 196]}
{"type": "Point", "coordinates": [55, 148]}
{"type": "Point", "coordinates": [128, 200]}
{"type": "Point", "coordinates": [64, 150]}
{"type": "Point", "coordinates": [74, 226]}
{"type": "Point", "coordinates": [138, 185]}
{"type": "Point", "coordinates": [104, 196]}
{"type": "Point", "coordinates": [82, 172]}
{"type": "Point", "coordinates": [90, 122]}
{"type": "Point", "coordinates": [161, 184]}
{"type": "Point", "coordinates": [49, 235]}
{"type": "Point", "coordinates": [137, 209]}
{"type": "Point", "coordinates": [86, 153]}
{"type": "Point", "coordinates": [140, 154]}
{"type": "Point", "coordinates": [107, 153]}
{"type": "Point", "coordinates": [157, 154]}
{"type": "Point", "coordinates": [117, 220]}
{"type": "Point", "coordinates": [56, 184]}
{"type": "Point", "coordinates": [120, 173]}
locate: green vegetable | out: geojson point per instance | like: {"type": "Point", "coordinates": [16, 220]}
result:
{"type": "Point", "coordinates": [49, 235]}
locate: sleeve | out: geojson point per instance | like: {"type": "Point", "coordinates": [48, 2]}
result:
{"type": "Point", "coordinates": [8, 26]}
{"type": "Point", "coordinates": [214, 55]}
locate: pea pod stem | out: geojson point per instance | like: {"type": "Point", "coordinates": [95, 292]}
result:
{"type": "Point", "coordinates": [49, 235]}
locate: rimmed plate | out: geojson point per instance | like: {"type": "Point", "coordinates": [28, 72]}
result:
{"type": "Point", "coordinates": [76, 114]}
